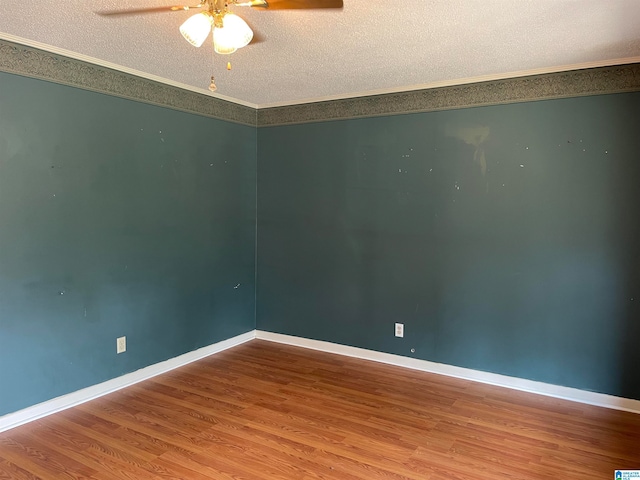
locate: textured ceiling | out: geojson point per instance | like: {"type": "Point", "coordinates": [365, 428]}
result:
{"type": "Point", "coordinates": [371, 46]}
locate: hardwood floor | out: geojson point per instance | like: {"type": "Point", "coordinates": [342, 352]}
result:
{"type": "Point", "coordinates": [269, 411]}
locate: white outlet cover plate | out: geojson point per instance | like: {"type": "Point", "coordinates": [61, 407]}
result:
{"type": "Point", "coordinates": [121, 345]}
{"type": "Point", "coordinates": [399, 329]}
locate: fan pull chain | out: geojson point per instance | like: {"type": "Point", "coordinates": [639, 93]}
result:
{"type": "Point", "coordinates": [212, 85]}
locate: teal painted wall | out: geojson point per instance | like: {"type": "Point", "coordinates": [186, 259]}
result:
{"type": "Point", "coordinates": [505, 238]}
{"type": "Point", "coordinates": [116, 218]}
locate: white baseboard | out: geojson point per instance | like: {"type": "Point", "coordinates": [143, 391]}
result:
{"type": "Point", "coordinates": [58, 404]}
{"type": "Point", "coordinates": [43, 409]}
{"type": "Point", "coordinates": [565, 393]}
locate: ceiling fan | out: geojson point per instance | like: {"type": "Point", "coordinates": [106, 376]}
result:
{"type": "Point", "coordinates": [230, 32]}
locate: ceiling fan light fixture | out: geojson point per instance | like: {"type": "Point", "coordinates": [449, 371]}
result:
{"type": "Point", "coordinates": [196, 29]}
{"type": "Point", "coordinates": [234, 34]}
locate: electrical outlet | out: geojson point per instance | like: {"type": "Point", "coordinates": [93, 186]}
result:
{"type": "Point", "coordinates": [399, 329]}
{"type": "Point", "coordinates": [121, 345]}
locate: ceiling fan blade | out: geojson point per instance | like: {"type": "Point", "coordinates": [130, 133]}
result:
{"type": "Point", "coordinates": [290, 4]}
{"type": "Point", "coordinates": [136, 11]}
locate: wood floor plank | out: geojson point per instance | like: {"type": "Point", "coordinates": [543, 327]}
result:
{"type": "Point", "coordinates": [265, 411]}
{"type": "Point", "coordinates": [42, 461]}
{"type": "Point", "coordinates": [11, 471]}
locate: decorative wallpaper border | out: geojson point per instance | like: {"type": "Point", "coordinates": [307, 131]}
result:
{"type": "Point", "coordinates": [31, 62]}
{"type": "Point", "coordinates": [592, 81]}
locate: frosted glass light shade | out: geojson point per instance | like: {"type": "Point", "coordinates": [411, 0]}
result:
{"type": "Point", "coordinates": [196, 29]}
{"type": "Point", "coordinates": [222, 43]}
{"type": "Point", "coordinates": [234, 34]}
{"type": "Point", "coordinates": [241, 32]}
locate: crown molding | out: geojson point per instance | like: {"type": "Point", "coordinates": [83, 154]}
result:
{"type": "Point", "coordinates": [31, 59]}
{"type": "Point", "coordinates": [575, 83]}
{"type": "Point", "coordinates": [460, 81]}
{"type": "Point", "coordinates": [90, 74]}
